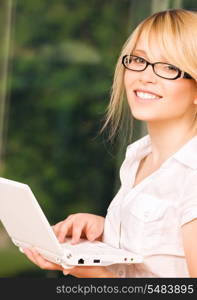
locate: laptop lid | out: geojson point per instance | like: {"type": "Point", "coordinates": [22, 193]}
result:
{"type": "Point", "coordinates": [24, 219]}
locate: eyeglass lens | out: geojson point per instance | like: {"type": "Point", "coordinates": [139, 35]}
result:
{"type": "Point", "coordinates": [137, 63]}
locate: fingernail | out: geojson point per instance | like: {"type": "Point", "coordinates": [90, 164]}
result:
{"type": "Point", "coordinates": [59, 238]}
{"type": "Point", "coordinates": [65, 273]}
{"type": "Point", "coordinates": [21, 250]}
{"type": "Point", "coordinates": [91, 237]}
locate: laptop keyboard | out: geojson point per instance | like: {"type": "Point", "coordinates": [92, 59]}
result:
{"type": "Point", "coordinates": [96, 248]}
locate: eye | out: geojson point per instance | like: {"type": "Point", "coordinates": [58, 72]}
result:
{"type": "Point", "coordinates": [171, 68]}
{"type": "Point", "coordinates": [138, 60]}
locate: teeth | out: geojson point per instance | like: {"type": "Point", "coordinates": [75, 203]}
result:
{"type": "Point", "coordinates": [146, 95]}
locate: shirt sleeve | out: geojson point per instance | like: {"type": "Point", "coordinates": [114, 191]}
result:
{"type": "Point", "coordinates": [188, 209]}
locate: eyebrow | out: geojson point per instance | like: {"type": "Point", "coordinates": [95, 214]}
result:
{"type": "Point", "coordinates": [139, 50]}
{"type": "Point", "coordinates": [145, 54]}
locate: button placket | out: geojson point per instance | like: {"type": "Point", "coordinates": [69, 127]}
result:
{"type": "Point", "coordinates": [146, 214]}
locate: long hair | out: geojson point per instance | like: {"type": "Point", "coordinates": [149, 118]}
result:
{"type": "Point", "coordinates": [175, 31]}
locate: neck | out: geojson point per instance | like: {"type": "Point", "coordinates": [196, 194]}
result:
{"type": "Point", "coordinates": [168, 138]}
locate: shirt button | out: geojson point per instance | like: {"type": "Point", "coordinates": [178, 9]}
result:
{"type": "Point", "coordinates": [146, 214]}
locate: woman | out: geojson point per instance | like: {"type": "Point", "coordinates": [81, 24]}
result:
{"type": "Point", "coordinates": [155, 210]}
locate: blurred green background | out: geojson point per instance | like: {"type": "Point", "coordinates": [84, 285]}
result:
{"type": "Point", "coordinates": [57, 64]}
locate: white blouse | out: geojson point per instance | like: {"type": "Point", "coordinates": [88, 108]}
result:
{"type": "Point", "coordinates": [147, 219]}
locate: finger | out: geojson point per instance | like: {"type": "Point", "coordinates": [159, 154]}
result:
{"type": "Point", "coordinates": [29, 254]}
{"type": "Point", "coordinates": [77, 232]}
{"type": "Point", "coordinates": [43, 263]}
{"type": "Point", "coordinates": [64, 230]}
{"type": "Point", "coordinates": [56, 227]}
{"type": "Point", "coordinates": [88, 272]}
{"type": "Point", "coordinates": [67, 271]}
{"type": "Point", "coordinates": [92, 232]}
{"type": "Point", "coordinates": [70, 217]}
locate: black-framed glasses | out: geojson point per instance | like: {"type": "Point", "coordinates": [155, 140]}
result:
{"type": "Point", "coordinates": [163, 70]}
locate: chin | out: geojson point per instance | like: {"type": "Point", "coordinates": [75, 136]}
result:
{"type": "Point", "coordinates": [144, 117]}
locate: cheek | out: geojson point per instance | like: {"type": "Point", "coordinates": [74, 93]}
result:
{"type": "Point", "coordinates": [129, 78]}
{"type": "Point", "coordinates": [179, 95]}
{"type": "Point", "coordinates": [129, 84]}
{"type": "Point", "coordinates": [172, 91]}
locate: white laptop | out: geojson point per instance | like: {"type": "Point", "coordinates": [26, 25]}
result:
{"type": "Point", "coordinates": [28, 227]}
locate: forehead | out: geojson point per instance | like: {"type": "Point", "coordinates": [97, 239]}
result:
{"type": "Point", "coordinates": [148, 45]}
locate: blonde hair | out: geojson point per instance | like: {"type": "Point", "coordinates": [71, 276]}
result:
{"type": "Point", "coordinates": [176, 33]}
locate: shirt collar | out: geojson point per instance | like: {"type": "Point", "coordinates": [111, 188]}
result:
{"type": "Point", "coordinates": [139, 148]}
{"type": "Point", "coordinates": [186, 155]}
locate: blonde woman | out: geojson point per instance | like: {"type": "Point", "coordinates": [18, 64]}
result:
{"type": "Point", "coordinates": [155, 210]}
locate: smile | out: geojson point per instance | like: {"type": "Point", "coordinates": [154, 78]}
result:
{"type": "Point", "coordinates": [144, 95]}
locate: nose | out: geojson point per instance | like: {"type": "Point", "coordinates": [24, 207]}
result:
{"type": "Point", "coordinates": [148, 75]}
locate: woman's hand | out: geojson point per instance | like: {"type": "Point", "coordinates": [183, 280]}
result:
{"type": "Point", "coordinates": [89, 272]}
{"type": "Point", "coordinates": [41, 262]}
{"type": "Point", "coordinates": [82, 272]}
{"type": "Point", "coordinates": [80, 225]}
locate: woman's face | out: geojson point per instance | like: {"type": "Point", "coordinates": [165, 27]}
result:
{"type": "Point", "coordinates": [171, 99]}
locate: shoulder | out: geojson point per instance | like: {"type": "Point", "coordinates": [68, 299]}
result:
{"type": "Point", "coordinates": [187, 154]}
